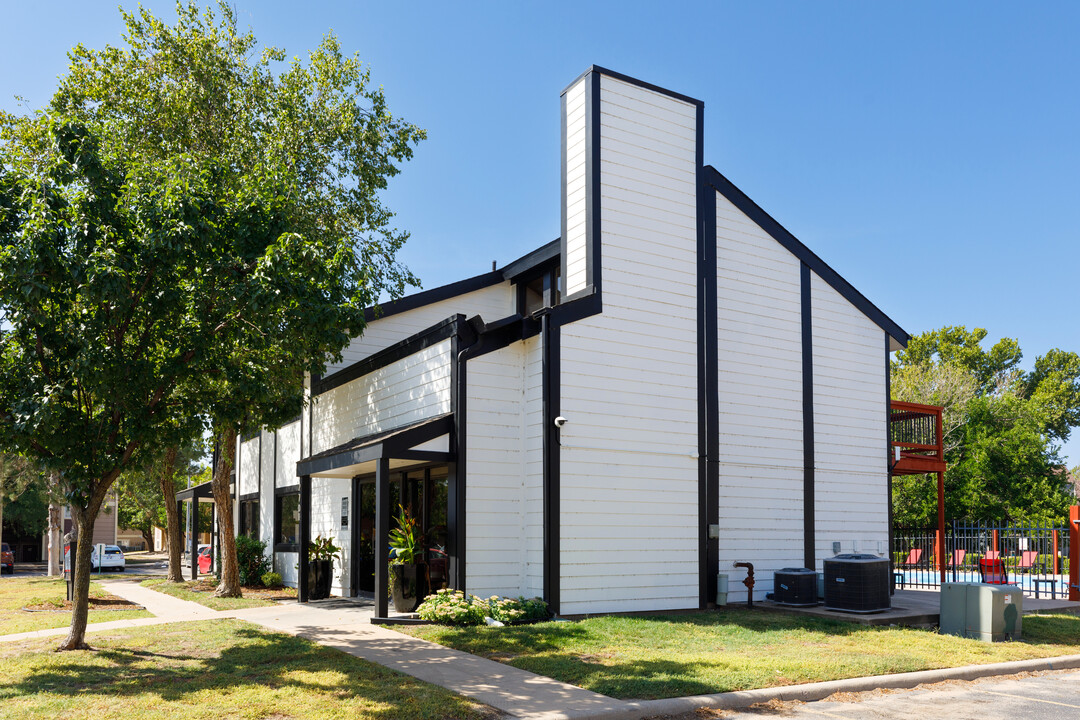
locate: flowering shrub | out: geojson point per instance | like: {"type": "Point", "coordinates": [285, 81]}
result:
{"type": "Point", "coordinates": [453, 607]}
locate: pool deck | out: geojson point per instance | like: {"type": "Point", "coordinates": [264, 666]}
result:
{"type": "Point", "coordinates": [914, 608]}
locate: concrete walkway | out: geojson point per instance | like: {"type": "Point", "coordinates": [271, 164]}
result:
{"type": "Point", "coordinates": [346, 626]}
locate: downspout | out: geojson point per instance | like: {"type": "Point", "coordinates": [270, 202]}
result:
{"type": "Point", "coordinates": [464, 345]}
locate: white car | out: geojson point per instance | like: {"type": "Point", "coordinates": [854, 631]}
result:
{"type": "Point", "coordinates": [114, 559]}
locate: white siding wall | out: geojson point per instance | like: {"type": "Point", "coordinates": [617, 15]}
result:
{"type": "Point", "coordinates": [533, 455]}
{"type": "Point", "coordinates": [629, 514]}
{"type": "Point", "coordinates": [285, 563]}
{"type": "Point", "coordinates": [490, 303]}
{"type": "Point", "coordinates": [287, 450]}
{"type": "Point", "coordinates": [403, 392]}
{"type": "Point", "coordinates": [248, 466]}
{"type": "Point", "coordinates": [849, 426]}
{"type": "Point", "coordinates": [326, 495]}
{"type": "Point", "coordinates": [576, 180]}
{"type": "Point", "coordinates": [759, 324]}
{"type": "Point", "coordinates": [495, 543]}
{"type": "Point", "coordinates": [288, 454]}
{"type": "Point", "coordinates": [266, 499]}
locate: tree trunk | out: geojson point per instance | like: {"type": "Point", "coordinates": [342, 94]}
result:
{"type": "Point", "coordinates": [55, 541]}
{"type": "Point", "coordinates": [2, 515]}
{"type": "Point", "coordinates": [174, 542]}
{"type": "Point", "coordinates": [148, 538]}
{"type": "Point", "coordinates": [85, 517]}
{"type": "Point", "coordinates": [230, 568]}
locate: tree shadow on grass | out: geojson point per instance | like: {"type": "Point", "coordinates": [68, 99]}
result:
{"type": "Point", "coordinates": [261, 658]}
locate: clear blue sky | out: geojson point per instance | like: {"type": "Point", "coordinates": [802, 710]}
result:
{"type": "Point", "coordinates": [929, 152]}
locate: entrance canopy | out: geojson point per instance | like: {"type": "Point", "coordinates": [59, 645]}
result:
{"type": "Point", "coordinates": [424, 441]}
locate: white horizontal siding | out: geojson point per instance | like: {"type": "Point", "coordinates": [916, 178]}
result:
{"type": "Point", "coordinates": [576, 188]}
{"type": "Point", "coordinates": [406, 391]}
{"type": "Point", "coordinates": [491, 303]}
{"type": "Point", "coordinates": [326, 496]}
{"type": "Point", "coordinates": [266, 455]}
{"type": "Point", "coordinates": [266, 495]}
{"type": "Point", "coordinates": [495, 539]}
{"type": "Point", "coordinates": [533, 471]}
{"type": "Point", "coordinates": [287, 451]}
{"type": "Point", "coordinates": [628, 505]}
{"type": "Point", "coordinates": [849, 425]}
{"type": "Point", "coordinates": [248, 466]}
{"type": "Point", "coordinates": [759, 331]}
{"type": "Point", "coordinates": [285, 563]}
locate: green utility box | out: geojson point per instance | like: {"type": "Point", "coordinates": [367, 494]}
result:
{"type": "Point", "coordinates": [994, 612]}
{"type": "Point", "coordinates": [990, 613]}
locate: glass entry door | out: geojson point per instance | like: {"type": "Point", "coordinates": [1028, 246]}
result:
{"type": "Point", "coordinates": [423, 494]}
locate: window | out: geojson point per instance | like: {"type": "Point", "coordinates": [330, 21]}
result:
{"type": "Point", "coordinates": [249, 517]}
{"type": "Point", "coordinates": [287, 517]}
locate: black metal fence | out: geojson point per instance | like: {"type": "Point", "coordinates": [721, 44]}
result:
{"type": "Point", "coordinates": [1034, 558]}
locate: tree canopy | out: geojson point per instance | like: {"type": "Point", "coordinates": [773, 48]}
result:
{"type": "Point", "coordinates": [184, 232]}
{"type": "Point", "coordinates": [1002, 428]}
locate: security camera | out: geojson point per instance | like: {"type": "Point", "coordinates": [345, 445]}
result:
{"type": "Point", "coordinates": [560, 421]}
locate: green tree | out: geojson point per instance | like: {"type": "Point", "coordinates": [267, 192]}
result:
{"type": "Point", "coordinates": [179, 249]}
{"type": "Point", "coordinates": [201, 89]}
{"type": "Point", "coordinates": [1001, 428]}
{"type": "Point", "coordinates": [16, 475]}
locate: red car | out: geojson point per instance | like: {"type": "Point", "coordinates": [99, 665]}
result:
{"type": "Point", "coordinates": [205, 559]}
{"type": "Point", "coordinates": [7, 559]}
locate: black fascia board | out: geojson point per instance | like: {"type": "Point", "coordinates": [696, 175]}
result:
{"type": "Point", "coordinates": [196, 492]}
{"type": "Point", "coordinates": [413, 344]}
{"type": "Point", "coordinates": [387, 443]}
{"type": "Point", "coordinates": [434, 295]}
{"type": "Point", "coordinates": [632, 81]}
{"type": "Point", "coordinates": [534, 260]}
{"type": "Point", "coordinates": [779, 233]}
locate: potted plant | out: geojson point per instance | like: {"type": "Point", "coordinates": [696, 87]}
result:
{"type": "Point", "coordinates": [321, 555]}
{"type": "Point", "coordinates": [409, 582]}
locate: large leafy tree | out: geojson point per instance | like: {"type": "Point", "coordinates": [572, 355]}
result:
{"type": "Point", "coordinates": [1002, 428]}
{"type": "Point", "coordinates": [16, 475]}
{"type": "Point", "coordinates": [204, 90]}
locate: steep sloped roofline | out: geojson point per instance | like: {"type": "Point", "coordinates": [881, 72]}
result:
{"type": "Point", "coordinates": [778, 232]}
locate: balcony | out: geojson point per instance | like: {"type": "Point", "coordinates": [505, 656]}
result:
{"type": "Point", "coordinates": [915, 438]}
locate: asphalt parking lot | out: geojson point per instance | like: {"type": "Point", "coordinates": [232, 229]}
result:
{"type": "Point", "coordinates": [154, 565]}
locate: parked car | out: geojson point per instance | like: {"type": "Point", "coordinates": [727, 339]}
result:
{"type": "Point", "coordinates": [206, 558]}
{"type": "Point", "coordinates": [7, 559]}
{"type": "Point", "coordinates": [113, 560]}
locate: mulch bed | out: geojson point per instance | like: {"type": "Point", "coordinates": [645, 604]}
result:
{"type": "Point", "coordinates": [259, 592]}
{"type": "Point", "coordinates": [100, 602]}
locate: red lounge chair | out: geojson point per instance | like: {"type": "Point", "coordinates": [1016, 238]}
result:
{"type": "Point", "coordinates": [992, 555]}
{"type": "Point", "coordinates": [1028, 558]}
{"type": "Point", "coordinates": [913, 558]}
{"type": "Point", "coordinates": [958, 557]}
{"type": "Point", "coordinates": [993, 571]}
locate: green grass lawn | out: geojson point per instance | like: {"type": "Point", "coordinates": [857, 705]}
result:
{"type": "Point", "coordinates": [46, 595]}
{"type": "Point", "coordinates": [202, 592]}
{"type": "Point", "coordinates": [735, 649]}
{"type": "Point", "coordinates": [211, 669]}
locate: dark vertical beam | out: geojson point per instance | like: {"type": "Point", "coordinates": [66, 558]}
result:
{"type": "Point", "coordinates": [305, 537]}
{"type": "Point", "coordinates": [549, 337]}
{"type": "Point", "coordinates": [382, 535]}
{"type": "Point", "coordinates": [889, 458]}
{"type": "Point", "coordinates": [592, 178]}
{"type": "Point", "coordinates": [708, 378]}
{"type": "Point", "coordinates": [355, 539]}
{"type": "Point", "coordinates": [809, 516]}
{"type": "Point", "coordinates": [456, 481]}
{"type": "Point", "coordinates": [194, 541]}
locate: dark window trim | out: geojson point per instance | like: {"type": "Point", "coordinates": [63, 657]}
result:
{"type": "Point", "coordinates": [287, 490]}
{"type": "Point", "coordinates": [248, 497]}
{"type": "Point", "coordinates": [278, 494]}
{"type": "Point", "coordinates": [779, 233]}
{"type": "Point", "coordinates": [411, 345]}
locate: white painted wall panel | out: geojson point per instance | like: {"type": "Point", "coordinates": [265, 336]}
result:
{"type": "Point", "coordinates": [326, 496]}
{"type": "Point", "coordinates": [403, 392]}
{"type": "Point", "coordinates": [849, 426]}
{"type": "Point", "coordinates": [759, 331]}
{"type": "Point", "coordinates": [533, 456]}
{"type": "Point", "coordinates": [266, 497]}
{"type": "Point", "coordinates": [248, 466]}
{"type": "Point", "coordinates": [287, 450]}
{"type": "Point", "coordinates": [266, 456]}
{"type": "Point", "coordinates": [576, 186]}
{"type": "Point", "coordinates": [495, 542]}
{"type": "Point", "coordinates": [491, 303]}
{"type": "Point", "coordinates": [628, 503]}
{"type": "Point", "coordinates": [286, 564]}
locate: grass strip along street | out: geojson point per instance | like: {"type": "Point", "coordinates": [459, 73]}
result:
{"type": "Point", "coordinates": [38, 603]}
{"type": "Point", "coordinates": [202, 592]}
{"type": "Point", "coordinates": [211, 669]}
{"type": "Point", "coordinates": [734, 649]}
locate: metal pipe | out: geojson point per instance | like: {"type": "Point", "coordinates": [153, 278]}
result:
{"type": "Point", "coordinates": [748, 582]}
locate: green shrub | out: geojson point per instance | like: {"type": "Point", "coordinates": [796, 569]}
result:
{"type": "Point", "coordinates": [452, 607]}
{"type": "Point", "coordinates": [251, 559]}
{"type": "Point", "coordinates": [271, 579]}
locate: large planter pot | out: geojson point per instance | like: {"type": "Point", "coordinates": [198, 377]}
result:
{"type": "Point", "coordinates": [320, 575]}
{"type": "Point", "coordinates": [408, 586]}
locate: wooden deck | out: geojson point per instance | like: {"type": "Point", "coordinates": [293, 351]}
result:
{"type": "Point", "coordinates": [913, 608]}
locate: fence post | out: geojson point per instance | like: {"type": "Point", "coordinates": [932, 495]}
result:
{"type": "Point", "coordinates": [1054, 551]}
{"type": "Point", "coordinates": [1074, 553]}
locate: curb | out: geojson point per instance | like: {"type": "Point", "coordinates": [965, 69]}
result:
{"type": "Point", "coordinates": [639, 710]}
